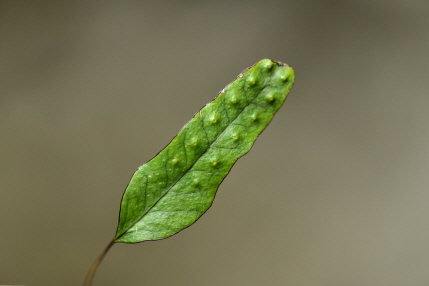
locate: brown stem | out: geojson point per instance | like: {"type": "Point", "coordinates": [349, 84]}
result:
{"type": "Point", "coordinates": [91, 271]}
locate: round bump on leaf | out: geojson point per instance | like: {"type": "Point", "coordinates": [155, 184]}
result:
{"type": "Point", "coordinates": [235, 137]}
{"type": "Point", "coordinates": [192, 142]}
{"type": "Point", "coordinates": [196, 182]}
{"type": "Point", "coordinates": [214, 119]}
{"type": "Point", "coordinates": [270, 98]}
{"type": "Point", "coordinates": [284, 77]}
{"type": "Point", "coordinates": [251, 80]}
{"type": "Point", "coordinates": [268, 65]}
{"type": "Point", "coordinates": [255, 118]}
{"type": "Point", "coordinates": [215, 163]}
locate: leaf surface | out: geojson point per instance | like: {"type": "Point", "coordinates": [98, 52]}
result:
{"type": "Point", "coordinates": [176, 187]}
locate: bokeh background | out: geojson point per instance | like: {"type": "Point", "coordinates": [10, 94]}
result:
{"type": "Point", "coordinates": [334, 192]}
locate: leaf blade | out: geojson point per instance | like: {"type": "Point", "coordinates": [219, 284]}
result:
{"type": "Point", "coordinates": [176, 187]}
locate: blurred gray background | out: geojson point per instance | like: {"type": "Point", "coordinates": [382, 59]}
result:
{"type": "Point", "coordinates": [334, 192]}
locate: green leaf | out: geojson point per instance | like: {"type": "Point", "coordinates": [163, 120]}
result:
{"type": "Point", "coordinates": [171, 191]}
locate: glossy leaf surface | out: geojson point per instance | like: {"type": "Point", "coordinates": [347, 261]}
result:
{"type": "Point", "coordinates": [171, 191]}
